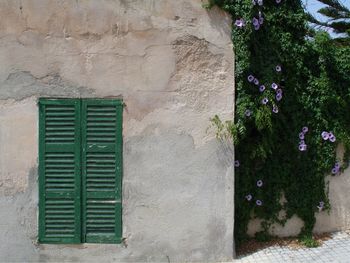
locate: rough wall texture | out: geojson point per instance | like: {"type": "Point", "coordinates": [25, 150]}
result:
{"type": "Point", "coordinates": [172, 63]}
{"type": "Point", "coordinates": [338, 218]}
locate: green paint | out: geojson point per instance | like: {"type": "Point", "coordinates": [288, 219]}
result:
{"type": "Point", "coordinates": [80, 170]}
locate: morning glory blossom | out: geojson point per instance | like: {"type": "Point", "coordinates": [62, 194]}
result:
{"type": "Point", "coordinates": [260, 2]}
{"type": "Point", "coordinates": [274, 86]}
{"type": "Point", "coordinates": [320, 206]}
{"type": "Point", "coordinates": [305, 129]}
{"type": "Point", "coordinates": [249, 197]}
{"type": "Point", "coordinates": [332, 137]}
{"type": "Point", "coordinates": [301, 136]}
{"type": "Point", "coordinates": [278, 1]}
{"type": "Point", "coordinates": [278, 96]}
{"type": "Point", "coordinates": [248, 113]}
{"type": "Point", "coordinates": [325, 135]}
{"type": "Point", "coordinates": [302, 147]}
{"type": "Point", "coordinates": [265, 101]}
{"type": "Point", "coordinates": [275, 109]}
{"type": "Point", "coordinates": [261, 20]}
{"type": "Point", "coordinates": [255, 21]}
{"type": "Point", "coordinates": [278, 68]}
{"type": "Point", "coordinates": [237, 164]}
{"type": "Point", "coordinates": [240, 23]}
{"type": "Point", "coordinates": [251, 78]}
{"type": "Point", "coordinates": [258, 202]}
{"type": "Point", "coordinates": [262, 88]}
{"type": "Point", "coordinates": [279, 91]}
{"type": "Point", "coordinates": [257, 27]}
{"type": "Point", "coordinates": [335, 170]}
{"type": "Point", "coordinates": [256, 81]}
{"type": "Point", "coordinates": [259, 183]}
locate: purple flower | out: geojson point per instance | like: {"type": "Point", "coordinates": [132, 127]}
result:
{"type": "Point", "coordinates": [265, 101]}
{"type": "Point", "coordinates": [335, 170]}
{"type": "Point", "coordinates": [278, 96]}
{"type": "Point", "coordinates": [240, 23]}
{"type": "Point", "coordinates": [237, 164]}
{"type": "Point", "coordinates": [301, 142]}
{"type": "Point", "coordinates": [302, 147]}
{"type": "Point", "coordinates": [255, 21]}
{"type": "Point", "coordinates": [278, 1]}
{"type": "Point", "coordinates": [261, 20]}
{"type": "Point", "coordinates": [256, 81]}
{"type": "Point", "coordinates": [301, 136]}
{"type": "Point", "coordinates": [274, 86]}
{"type": "Point", "coordinates": [305, 129]}
{"type": "Point", "coordinates": [251, 78]}
{"type": "Point", "coordinates": [248, 113]}
{"type": "Point", "coordinates": [259, 183]}
{"type": "Point", "coordinates": [253, 2]}
{"type": "Point", "coordinates": [332, 137]}
{"type": "Point", "coordinates": [320, 206]}
{"type": "Point", "coordinates": [278, 68]}
{"type": "Point", "coordinates": [325, 135]}
{"type": "Point", "coordinates": [262, 88]}
{"type": "Point", "coordinates": [257, 27]}
{"type": "Point", "coordinates": [275, 109]}
{"type": "Point", "coordinates": [279, 91]}
{"type": "Point", "coordinates": [249, 197]}
{"type": "Point", "coordinates": [260, 2]}
{"type": "Point", "coordinates": [258, 202]}
{"type": "Point", "coordinates": [337, 165]}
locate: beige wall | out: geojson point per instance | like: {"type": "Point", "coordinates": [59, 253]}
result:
{"type": "Point", "coordinates": [172, 63]}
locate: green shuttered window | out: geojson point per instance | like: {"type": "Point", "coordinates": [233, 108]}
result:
{"type": "Point", "coordinates": [80, 171]}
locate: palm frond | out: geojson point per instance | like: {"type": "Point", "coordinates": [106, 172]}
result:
{"type": "Point", "coordinates": [335, 4]}
{"type": "Point", "coordinates": [334, 13]}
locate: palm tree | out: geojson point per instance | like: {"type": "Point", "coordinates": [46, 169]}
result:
{"type": "Point", "coordinates": [338, 20]}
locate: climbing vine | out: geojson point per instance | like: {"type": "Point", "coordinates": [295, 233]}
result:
{"type": "Point", "coordinates": [292, 111]}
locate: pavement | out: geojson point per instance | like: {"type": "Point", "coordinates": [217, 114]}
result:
{"type": "Point", "coordinates": [336, 249]}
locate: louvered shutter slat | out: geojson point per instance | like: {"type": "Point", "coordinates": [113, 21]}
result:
{"type": "Point", "coordinates": [102, 150]}
{"type": "Point", "coordinates": [59, 171]}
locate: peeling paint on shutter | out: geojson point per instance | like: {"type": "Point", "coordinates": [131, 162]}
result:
{"type": "Point", "coordinates": [59, 171]}
{"type": "Point", "coordinates": [102, 170]}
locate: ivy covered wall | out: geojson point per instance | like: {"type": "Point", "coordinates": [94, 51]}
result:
{"type": "Point", "coordinates": [292, 110]}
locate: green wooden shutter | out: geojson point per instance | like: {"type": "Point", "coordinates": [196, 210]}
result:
{"type": "Point", "coordinates": [59, 171]}
{"type": "Point", "coordinates": [102, 170]}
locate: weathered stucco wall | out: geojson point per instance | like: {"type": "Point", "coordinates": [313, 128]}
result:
{"type": "Point", "coordinates": [172, 63]}
{"type": "Point", "coordinates": [337, 219]}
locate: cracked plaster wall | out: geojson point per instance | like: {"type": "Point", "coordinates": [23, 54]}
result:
{"type": "Point", "coordinates": [172, 63]}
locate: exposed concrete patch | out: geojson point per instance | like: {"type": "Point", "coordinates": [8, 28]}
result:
{"type": "Point", "coordinates": [22, 84]}
{"type": "Point", "coordinates": [198, 57]}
